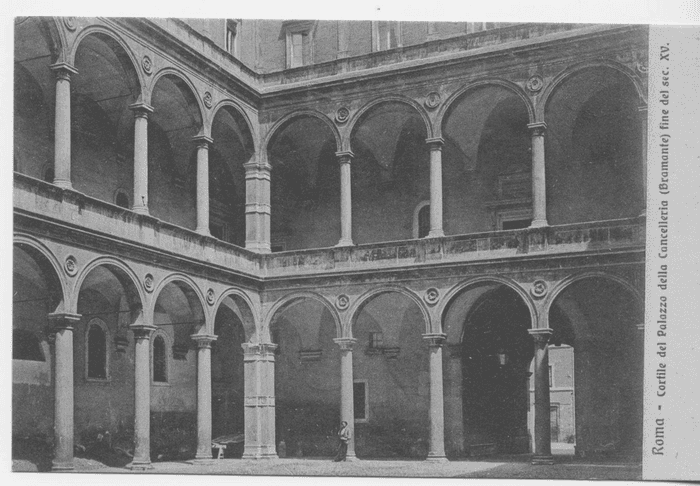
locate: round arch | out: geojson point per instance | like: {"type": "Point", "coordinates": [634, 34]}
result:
{"type": "Point", "coordinates": [560, 79]}
{"type": "Point", "coordinates": [287, 119]}
{"type": "Point", "coordinates": [169, 71]}
{"type": "Point", "coordinates": [457, 289]}
{"type": "Point", "coordinates": [250, 330]}
{"type": "Point", "coordinates": [98, 29]}
{"type": "Point", "coordinates": [357, 117]}
{"type": "Point", "coordinates": [36, 245]}
{"type": "Point", "coordinates": [237, 108]}
{"type": "Point", "coordinates": [458, 95]}
{"type": "Point", "coordinates": [57, 38]}
{"type": "Point", "coordinates": [106, 261]}
{"type": "Point", "coordinates": [365, 298]}
{"type": "Point", "coordinates": [184, 279]}
{"type": "Point", "coordinates": [292, 299]}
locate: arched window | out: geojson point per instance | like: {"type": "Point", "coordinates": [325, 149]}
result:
{"type": "Point", "coordinates": [49, 174]}
{"type": "Point", "coordinates": [26, 346]}
{"type": "Point", "coordinates": [421, 220]}
{"type": "Point", "coordinates": [121, 199]}
{"type": "Point", "coordinates": [160, 362]}
{"type": "Point", "coordinates": [96, 350]}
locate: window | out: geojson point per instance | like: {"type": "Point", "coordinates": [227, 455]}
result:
{"type": "Point", "coordinates": [49, 174]}
{"type": "Point", "coordinates": [360, 401]}
{"type": "Point", "coordinates": [299, 37]}
{"type": "Point", "coordinates": [509, 219]}
{"type": "Point", "coordinates": [386, 35]}
{"type": "Point", "coordinates": [232, 37]}
{"type": "Point", "coordinates": [160, 371]}
{"type": "Point", "coordinates": [26, 346]}
{"type": "Point", "coordinates": [421, 220]}
{"type": "Point", "coordinates": [551, 377]}
{"type": "Point", "coordinates": [121, 199]}
{"type": "Point", "coordinates": [516, 224]}
{"type": "Point", "coordinates": [376, 340]}
{"type": "Point", "coordinates": [217, 230]}
{"type": "Point", "coordinates": [96, 350]}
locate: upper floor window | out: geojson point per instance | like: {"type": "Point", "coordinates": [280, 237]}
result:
{"type": "Point", "coordinates": [232, 37]}
{"type": "Point", "coordinates": [421, 220]}
{"type": "Point", "coordinates": [299, 38]}
{"type": "Point", "coordinates": [386, 35]}
{"type": "Point", "coordinates": [121, 199]}
{"type": "Point", "coordinates": [97, 350]}
{"type": "Point", "coordinates": [376, 340]}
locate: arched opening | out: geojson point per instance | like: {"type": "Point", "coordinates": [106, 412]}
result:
{"type": "Point", "coordinates": [593, 143]}
{"type": "Point", "coordinates": [597, 320]}
{"type": "Point", "coordinates": [390, 171]}
{"type": "Point", "coordinates": [178, 313]}
{"type": "Point", "coordinates": [227, 374]}
{"type": "Point", "coordinates": [487, 371]}
{"type": "Point", "coordinates": [36, 292]}
{"type": "Point", "coordinates": [232, 147]}
{"type": "Point", "coordinates": [486, 162]}
{"type": "Point", "coordinates": [307, 385]}
{"type": "Point", "coordinates": [102, 125]}
{"type": "Point", "coordinates": [34, 94]}
{"type": "Point", "coordinates": [108, 302]}
{"type": "Point", "coordinates": [305, 185]}
{"type": "Point", "coordinates": [391, 370]}
{"type": "Point", "coordinates": [172, 181]}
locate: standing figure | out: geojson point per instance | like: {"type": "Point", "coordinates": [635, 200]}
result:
{"type": "Point", "coordinates": [344, 435]}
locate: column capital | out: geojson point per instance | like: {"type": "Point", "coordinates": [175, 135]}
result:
{"type": "Point", "coordinates": [202, 141]}
{"type": "Point", "coordinates": [435, 339]}
{"type": "Point", "coordinates": [345, 344]}
{"type": "Point", "coordinates": [541, 335]}
{"type": "Point", "coordinates": [643, 108]}
{"type": "Point", "coordinates": [62, 320]}
{"type": "Point", "coordinates": [259, 349]}
{"type": "Point", "coordinates": [345, 156]}
{"type": "Point", "coordinates": [254, 166]}
{"type": "Point", "coordinates": [640, 327]}
{"type": "Point", "coordinates": [435, 143]}
{"type": "Point", "coordinates": [537, 129]}
{"type": "Point", "coordinates": [142, 331]}
{"type": "Point", "coordinates": [141, 109]}
{"type": "Point", "coordinates": [203, 340]}
{"type": "Point", "coordinates": [63, 70]}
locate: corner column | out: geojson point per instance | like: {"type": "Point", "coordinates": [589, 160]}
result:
{"type": "Point", "coordinates": [62, 125]}
{"type": "Point", "coordinates": [435, 145]}
{"type": "Point", "coordinates": [259, 399]}
{"type": "Point", "coordinates": [543, 445]}
{"type": "Point", "coordinates": [539, 188]}
{"type": "Point", "coordinates": [142, 397]}
{"type": "Point", "coordinates": [347, 408]}
{"type": "Point", "coordinates": [62, 325]}
{"type": "Point", "coordinates": [437, 412]}
{"type": "Point", "coordinates": [141, 111]}
{"type": "Point", "coordinates": [203, 396]}
{"type": "Point", "coordinates": [202, 143]}
{"type": "Point", "coordinates": [257, 206]}
{"type": "Point", "coordinates": [344, 160]}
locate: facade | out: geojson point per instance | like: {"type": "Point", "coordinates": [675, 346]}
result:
{"type": "Point", "coordinates": [258, 228]}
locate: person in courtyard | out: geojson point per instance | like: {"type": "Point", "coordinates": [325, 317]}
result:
{"type": "Point", "coordinates": [344, 435]}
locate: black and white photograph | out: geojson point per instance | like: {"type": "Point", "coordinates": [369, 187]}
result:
{"type": "Point", "coordinates": [352, 246]}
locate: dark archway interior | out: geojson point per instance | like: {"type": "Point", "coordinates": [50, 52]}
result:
{"type": "Point", "coordinates": [496, 354]}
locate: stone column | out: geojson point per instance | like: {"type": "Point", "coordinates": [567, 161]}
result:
{"type": "Point", "coordinates": [142, 397]}
{"type": "Point", "coordinates": [539, 188]}
{"type": "Point", "coordinates": [203, 396]}
{"type": "Point", "coordinates": [347, 409]}
{"type": "Point", "coordinates": [62, 126]}
{"type": "Point", "coordinates": [202, 183]}
{"type": "Point", "coordinates": [435, 145]}
{"type": "Point", "coordinates": [343, 38]}
{"type": "Point", "coordinates": [141, 111]}
{"type": "Point", "coordinates": [62, 325]}
{"type": "Point", "coordinates": [437, 413]}
{"type": "Point", "coordinates": [257, 206]}
{"type": "Point", "coordinates": [454, 432]}
{"type": "Point", "coordinates": [543, 446]}
{"type": "Point", "coordinates": [259, 399]}
{"type": "Point", "coordinates": [345, 159]}
{"type": "Point", "coordinates": [643, 115]}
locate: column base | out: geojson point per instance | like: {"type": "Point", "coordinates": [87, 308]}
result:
{"type": "Point", "coordinates": [203, 231]}
{"type": "Point", "coordinates": [258, 247]}
{"type": "Point", "coordinates": [345, 242]}
{"type": "Point", "coordinates": [542, 460]}
{"type": "Point", "coordinates": [351, 457]}
{"type": "Point", "coordinates": [140, 209]}
{"type": "Point", "coordinates": [139, 465]}
{"type": "Point", "coordinates": [62, 466]}
{"type": "Point", "coordinates": [63, 184]}
{"type": "Point", "coordinates": [436, 458]}
{"type": "Point", "coordinates": [539, 223]}
{"type": "Point", "coordinates": [436, 234]}
{"type": "Point", "coordinates": [201, 461]}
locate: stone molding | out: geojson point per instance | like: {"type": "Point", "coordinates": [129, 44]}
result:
{"type": "Point", "coordinates": [435, 339]}
{"type": "Point", "coordinates": [203, 340]}
{"type": "Point", "coordinates": [345, 344]}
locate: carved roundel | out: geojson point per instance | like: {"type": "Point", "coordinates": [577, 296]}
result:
{"type": "Point", "coordinates": [148, 283]}
{"type": "Point", "coordinates": [535, 83]}
{"type": "Point", "coordinates": [342, 302]}
{"type": "Point", "coordinates": [147, 65]}
{"type": "Point", "coordinates": [207, 99]}
{"type": "Point", "coordinates": [432, 100]}
{"type": "Point", "coordinates": [71, 265]}
{"type": "Point", "coordinates": [210, 296]}
{"type": "Point", "coordinates": [539, 289]}
{"type": "Point", "coordinates": [342, 114]}
{"type": "Point", "coordinates": [431, 296]}
{"type": "Point", "coordinates": [69, 22]}
{"type": "Point", "coordinates": [642, 67]}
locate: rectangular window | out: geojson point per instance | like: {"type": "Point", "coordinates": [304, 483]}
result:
{"type": "Point", "coordinates": [551, 377]}
{"type": "Point", "coordinates": [387, 35]}
{"type": "Point", "coordinates": [516, 224]}
{"type": "Point", "coordinates": [376, 340]}
{"type": "Point", "coordinates": [232, 37]}
{"type": "Point", "coordinates": [359, 394]}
